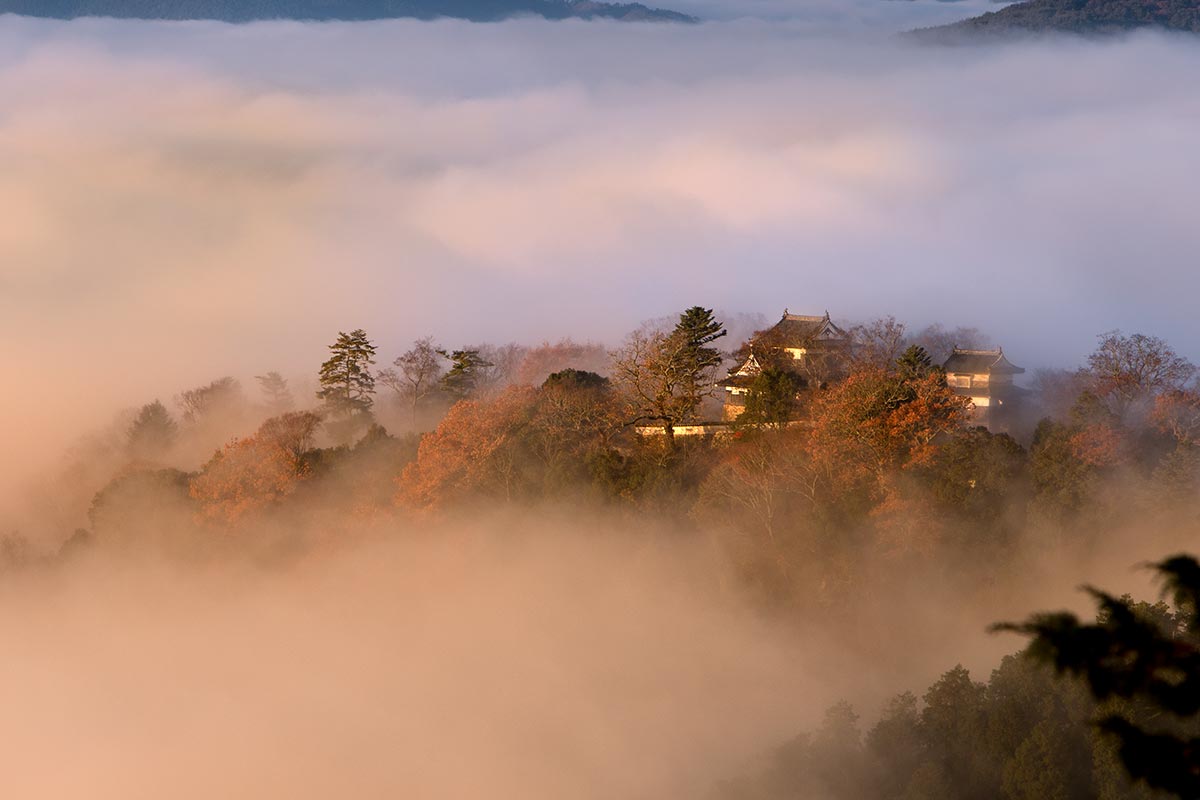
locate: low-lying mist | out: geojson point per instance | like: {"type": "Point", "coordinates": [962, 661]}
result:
{"type": "Point", "coordinates": [529, 658]}
{"type": "Point", "coordinates": [524, 655]}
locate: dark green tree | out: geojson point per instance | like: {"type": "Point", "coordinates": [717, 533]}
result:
{"type": "Point", "coordinates": [697, 329]}
{"type": "Point", "coordinates": [979, 474]}
{"type": "Point", "coordinates": [1143, 663]}
{"type": "Point", "coordinates": [914, 363]}
{"type": "Point", "coordinates": [462, 379]}
{"type": "Point", "coordinates": [1062, 483]}
{"type": "Point", "coordinates": [953, 725]}
{"type": "Point", "coordinates": [1036, 770]}
{"type": "Point", "coordinates": [1037, 729]}
{"type": "Point", "coordinates": [895, 744]}
{"type": "Point", "coordinates": [576, 379]}
{"type": "Point", "coordinates": [347, 384]}
{"type": "Point", "coordinates": [772, 397]}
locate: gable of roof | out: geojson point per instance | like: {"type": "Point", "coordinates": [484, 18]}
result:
{"type": "Point", "coordinates": [751, 367]}
{"type": "Point", "coordinates": [800, 330]}
{"type": "Point", "coordinates": [979, 362]}
{"type": "Point", "coordinates": [744, 375]}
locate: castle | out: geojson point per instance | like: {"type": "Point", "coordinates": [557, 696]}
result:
{"type": "Point", "coordinates": [986, 377]}
{"type": "Point", "coordinates": [818, 350]}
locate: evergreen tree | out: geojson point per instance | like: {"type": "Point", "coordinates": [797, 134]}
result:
{"type": "Point", "coordinates": [953, 726]}
{"type": "Point", "coordinates": [772, 397]}
{"type": "Point", "coordinates": [1143, 662]}
{"type": "Point", "coordinates": [896, 745]}
{"type": "Point", "coordinates": [152, 432]}
{"type": "Point", "coordinates": [347, 384]}
{"type": "Point", "coordinates": [571, 378]}
{"type": "Point", "coordinates": [1038, 768]}
{"type": "Point", "coordinates": [462, 379]}
{"type": "Point", "coordinates": [696, 330]}
{"type": "Point", "coordinates": [275, 392]}
{"type": "Point", "coordinates": [914, 363]}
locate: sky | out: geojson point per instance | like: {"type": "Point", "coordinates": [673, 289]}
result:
{"type": "Point", "coordinates": [183, 201]}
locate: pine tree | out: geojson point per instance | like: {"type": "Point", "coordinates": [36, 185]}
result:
{"type": "Point", "coordinates": [697, 361]}
{"type": "Point", "coordinates": [461, 380]}
{"type": "Point", "coordinates": [914, 363]}
{"type": "Point", "coordinates": [347, 384]}
{"type": "Point", "coordinates": [275, 391]}
{"type": "Point", "coordinates": [697, 328]}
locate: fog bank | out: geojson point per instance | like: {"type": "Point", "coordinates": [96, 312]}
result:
{"type": "Point", "coordinates": [528, 665]}
{"type": "Point", "coordinates": [184, 201]}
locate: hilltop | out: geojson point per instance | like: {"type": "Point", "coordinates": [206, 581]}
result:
{"type": "Point", "coordinates": [1089, 17]}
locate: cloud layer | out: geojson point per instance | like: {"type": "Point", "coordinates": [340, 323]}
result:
{"type": "Point", "coordinates": [446, 666]}
{"type": "Point", "coordinates": [183, 201]}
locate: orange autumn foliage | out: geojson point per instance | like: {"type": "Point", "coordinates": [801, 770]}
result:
{"type": "Point", "coordinates": [873, 427]}
{"type": "Point", "coordinates": [873, 422]}
{"type": "Point", "coordinates": [1098, 445]}
{"type": "Point", "coordinates": [474, 450]}
{"type": "Point", "coordinates": [255, 473]}
{"type": "Point", "coordinates": [1178, 414]}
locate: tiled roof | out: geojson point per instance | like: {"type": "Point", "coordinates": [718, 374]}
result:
{"type": "Point", "coordinates": [979, 362]}
{"type": "Point", "coordinates": [799, 330]}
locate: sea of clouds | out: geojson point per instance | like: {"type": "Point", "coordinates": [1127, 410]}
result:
{"type": "Point", "coordinates": [182, 201]}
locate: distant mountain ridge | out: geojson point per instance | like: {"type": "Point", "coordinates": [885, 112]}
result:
{"type": "Point", "coordinates": [329, 10]}
{"type": "Point", "coordinates": [1095, 17]}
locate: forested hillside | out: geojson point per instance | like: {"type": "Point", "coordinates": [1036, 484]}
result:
{"type": "Point", "coordinates": [1121, 720]}
{"type": "Point", "coordinates": [815, 477]}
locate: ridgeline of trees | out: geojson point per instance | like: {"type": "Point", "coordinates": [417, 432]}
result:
{"type": "Point", "coordinates": [818, 476]}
